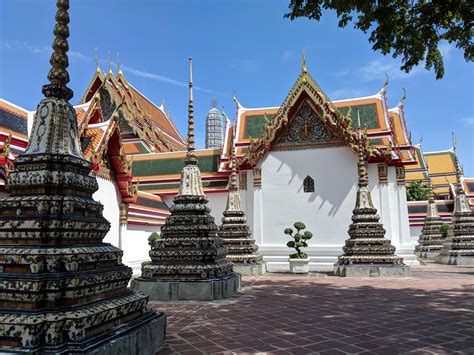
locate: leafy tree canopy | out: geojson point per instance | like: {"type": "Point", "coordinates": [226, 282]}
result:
{"type": "Point", "coordinates": [416, 191]}
{"type": "Point", "coordinates": [411, 30]}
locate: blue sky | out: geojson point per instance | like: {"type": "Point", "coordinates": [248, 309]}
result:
{"type": "Point", "coordinates": [244, 46]}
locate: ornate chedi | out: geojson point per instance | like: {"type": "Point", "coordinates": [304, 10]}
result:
{"type": "Point", "coordinates": [62, 290]}
{"type": "Point", "coordinates": [235, 231]}
{"type": "Point", "coordinates": [367, 253]}
{"type": "Point", "coordinates": [431, 239]}
{"type": "Point", "coordinates": [189, 261]}
{"type": "Point", "coordinates": [458, 248]}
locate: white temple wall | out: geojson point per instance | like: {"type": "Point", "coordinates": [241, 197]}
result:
{"type": "Point", "coordinates": [218, 203]}
{"type": "Point", "coordinates": [281, 201]}
{"type": "Point", "coordinates": [135, 244]}
{"type": "Point", "coordinates": [327, 212]}
{"type": "Point", "coordinates": [109, 195]}
{"type": "Point", "coordinates": [415, 232]}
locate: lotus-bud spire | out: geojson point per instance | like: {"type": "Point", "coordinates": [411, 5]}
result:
{"type": "Point", "coordinates": [191, 154]}
{"type": "Point", "coordinates": [58, 75]}
{"type": "Point", "coordinates": [303, 62]}
{"type": "Point", "coordinates": [233, 186]}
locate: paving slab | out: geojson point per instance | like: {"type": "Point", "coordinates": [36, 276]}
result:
{"type": "Point", "coordinates": [428, 313]}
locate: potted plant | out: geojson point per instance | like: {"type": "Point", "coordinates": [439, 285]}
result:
{"type": "Point", "coordinates": [299, 261]}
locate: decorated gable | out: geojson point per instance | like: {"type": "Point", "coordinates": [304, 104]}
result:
{"type": "Point", "coordinates": [306, 129]}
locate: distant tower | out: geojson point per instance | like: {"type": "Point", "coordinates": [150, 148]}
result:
{"type": "Point", "coordinates": [214, 136]}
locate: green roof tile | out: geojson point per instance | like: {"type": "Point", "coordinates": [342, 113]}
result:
{"type": "Point", "coordinates": [172, 166]}
{"type": "Point", "coordinates": [255, 125]}
{"type": "Point", "coordinates": [368, 115]}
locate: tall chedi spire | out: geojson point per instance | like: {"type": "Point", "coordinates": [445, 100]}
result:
{"type": "Point", "coordinates": [431, 239]}
{"type": "Point", "coordinates": [189, 261]}
{"type": "Point", "coordinates": [458, 248]}
{"type": "Point", "coordinates": [62, 289]}
{"type": "Point", "coordinates": [367, 252]}
{"type": "Point", "coordinates": [235, 231]}
{"type": "Point", "coordinates": [214, 128]}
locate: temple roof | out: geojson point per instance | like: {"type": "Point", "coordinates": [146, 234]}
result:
{"type": "Point", "coordinates": [149, 209]}
{"type": "Point", "coordinates": [386, 129]}
{"type": "Point", "coordinates": [160, 173]}
{"type": "Point", "coordinates": [13, 119]}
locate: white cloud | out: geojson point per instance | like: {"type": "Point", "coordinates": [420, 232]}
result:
{"type": "Point", "coordinates": [468, 121]}
{"type": "Point", "coordinates": [43, 50]}
{"type": "Point", "coordinates": [346, 93]}
{"type": "Point", "coordinates": [244, 65]}
{"type": "Point", "coordinates": [287, 55]}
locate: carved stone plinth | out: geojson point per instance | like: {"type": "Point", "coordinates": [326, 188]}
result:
{"type": "Point", "coordinates": [250, 269]}
{"type": "Point", "coordinates": [372, 271]}
{"type": "Point", "coordinates": [188, 290]}
{"type": "Point", "coordinates": [62, 290]}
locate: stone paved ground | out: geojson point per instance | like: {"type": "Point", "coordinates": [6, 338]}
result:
{"type": "Point", "coordinates": [430, 313]}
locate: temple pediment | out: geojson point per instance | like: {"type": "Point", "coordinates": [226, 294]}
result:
{"type": "Point", "coordinates": [306, 129]}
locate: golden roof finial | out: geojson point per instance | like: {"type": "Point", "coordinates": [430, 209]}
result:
{"type": "Point", "coordinates": [384, 88]}
{"type": "Point", "coordinates": [191, 154]}
{"type": "Point", "coordinates": [118, 65]}
{"type": "Point", "coordinates": [108, 63]}
{"type": "Point", "coordinates": [457, 166]}
{"type": "Point", "coordinates": [58, 76]}
{"type": "Point", "coordinates": [303, 63]}
{"type": "Point", "coordinates": [404, 97]}
{"type": "Point", "coordinates": [97, 67]}
{"type": "Point", "coordinates": [233, 186]}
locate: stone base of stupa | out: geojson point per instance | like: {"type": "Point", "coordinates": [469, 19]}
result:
{"type": "Point", "coordinates": [455, 260]}
{"type": "Point", "coordinates": [374, 270]}
{"type": "Point", "coordinates": [188, 290]}
{"type": "Point", "coordinates": [142, 336]}
{"type": "Point", "coordinates": [427, 254]}
{"type": "Point", "coordinates": [250, 269]}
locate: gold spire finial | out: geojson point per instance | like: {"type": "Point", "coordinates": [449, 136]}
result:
{"type": "Point", "coordinates": [58, 76]}
{"type": "Point", "coordinates": [118, 65]}
{"type": "Point", "coordinates": [457, 166]}
{"type": "Point", "coordinates": [303, 63]}
{"type": "Point", "coordinates": [233, 186]}
{"type": "Point", "coordinates": [191, 154]}
{"type": "Point", "coordinates": [404, 97]}
{"type": "Point", "coordinates": [384, 88]}
{"type": "Point", "coordinates": [97, 67]}
{"type": "Point", "coordinates": [108, 63]}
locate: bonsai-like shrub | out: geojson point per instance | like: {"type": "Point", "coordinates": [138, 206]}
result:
{"type": "Point", "coordinates": [299, 240]}
{"type": "Point", "coordinates": [153, 238]}
{"type": "Point", "coordinates": [444, 229]}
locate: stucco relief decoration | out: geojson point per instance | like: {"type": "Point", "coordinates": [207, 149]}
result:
{"type": "Point", "coordinates": [243, 180]}
{"type": "Point", "coordinates": [257, 177]}
{"type": "Point", "coordinates": [107, 105]}
{"type": "Point", "coordinates": [400, 172]}
{"type": "Point", "coordinates": [307, 128]}
{"type": "Point", "coordinates": [383, 173]}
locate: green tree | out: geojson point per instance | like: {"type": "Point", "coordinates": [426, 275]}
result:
{"type": "Point", "coordinates": [411, 30]}
{"type": "Point", "coordinates": [299, 240]}
{"type": "Point", "coordinates": [444, 229]}
{"type": "Point", "coordinates": [416, 191]}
